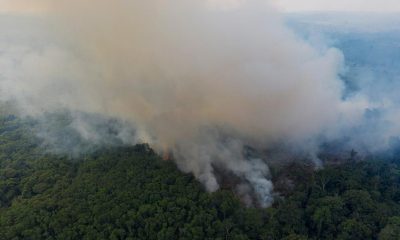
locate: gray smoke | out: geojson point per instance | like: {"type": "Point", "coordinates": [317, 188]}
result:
{"type": "Point", "coordinates": [199, 79]}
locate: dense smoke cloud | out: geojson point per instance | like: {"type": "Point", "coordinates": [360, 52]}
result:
{"type": "Point", "coordinates": [198, 79]}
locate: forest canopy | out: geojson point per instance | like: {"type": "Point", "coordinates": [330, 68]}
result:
{"type": "Point", "coordinates": [129, 192]}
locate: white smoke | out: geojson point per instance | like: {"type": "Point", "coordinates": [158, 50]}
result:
{"type": "Point", "coordinates": [201, 79]}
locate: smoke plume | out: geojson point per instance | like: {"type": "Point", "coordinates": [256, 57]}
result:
{"type": "Point", "coordinates": [199, 80]}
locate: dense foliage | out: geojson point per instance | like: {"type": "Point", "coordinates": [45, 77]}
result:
{"type": "Point", "coordinates": [130, 193]}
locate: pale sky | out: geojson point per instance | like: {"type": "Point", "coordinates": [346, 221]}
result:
{"type": "Point", "coordinates": [340, 5]}
{"type": "Point", "coordinates": [29, 6]}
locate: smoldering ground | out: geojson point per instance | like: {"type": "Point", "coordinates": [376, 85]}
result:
{"type": "Point", "coordinates": [198, 79]}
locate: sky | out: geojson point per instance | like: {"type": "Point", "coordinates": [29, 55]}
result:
{"type": "Point", "coordinates": [340, 5]}
{"type": "Point", "coordinates": [32, 6]}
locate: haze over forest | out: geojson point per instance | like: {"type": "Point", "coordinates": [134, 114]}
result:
{"type": "Point", "coordinates": [292, 114]}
